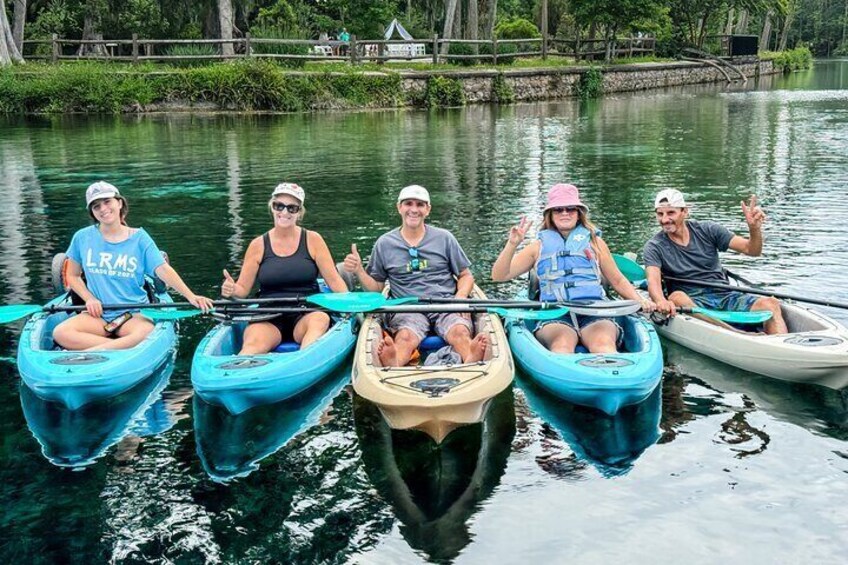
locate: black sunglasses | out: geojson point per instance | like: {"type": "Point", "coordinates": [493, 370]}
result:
{"type": "Point", "coordinates": [561, 209]}
{"type": "Point", "coordinates": [292, 208]}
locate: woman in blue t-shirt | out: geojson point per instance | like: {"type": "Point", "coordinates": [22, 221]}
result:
{"type": "Point", "coordinates": [114, 259]}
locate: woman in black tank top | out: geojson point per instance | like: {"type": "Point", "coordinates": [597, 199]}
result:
{"type": "Point", "coordinates": [286, 261]}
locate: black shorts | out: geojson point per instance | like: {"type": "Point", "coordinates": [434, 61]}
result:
{"type": "Point", "coordinates": [285, 324]}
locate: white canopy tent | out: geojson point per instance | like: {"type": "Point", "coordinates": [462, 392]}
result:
{"type": "Point", "coordinates": [409, 50]}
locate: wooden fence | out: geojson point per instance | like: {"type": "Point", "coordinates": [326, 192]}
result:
{"type": "Point", "coordinates": [355, 51]}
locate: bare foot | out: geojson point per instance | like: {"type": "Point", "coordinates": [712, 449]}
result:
{"type": "Point", "coordinates": [386, 352]}
{"type": "Point", "coordinates": [478, 349]}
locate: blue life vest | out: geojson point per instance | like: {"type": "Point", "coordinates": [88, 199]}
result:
{"type": "Point", "coordinates": [568, 268]}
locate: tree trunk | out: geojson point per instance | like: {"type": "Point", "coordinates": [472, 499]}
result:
{"type": "Point", "coordinates": [9, 52]}
{"type": "Point", "coordinates": [787, 23]}
{"type": "Point", "coordinates": [447, 32]}
{"type": "Point", "coordinates": [457, 22]}
{"type": "Point", "coordinates": [473, 23]}
{"type": "Point", "coordinates": [742, 22]}
{"type": "Point", "coordinates": [91, 31]}
{"type": "Point", "coordinates": [765, 37]}
{"type": "Point", "coordinates": [18, 26]}
{"type": "Point", "coordinates": [493, 16]}
{"type": "Point", "coordinates": [728, 28]}
{"type": "Point", "coordinates": [225, 22]}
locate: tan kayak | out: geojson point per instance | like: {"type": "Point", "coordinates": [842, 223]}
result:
{"type": "Point", "coordinates": [434, 399]}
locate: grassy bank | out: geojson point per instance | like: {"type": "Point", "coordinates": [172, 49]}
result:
{"type": "Point", "coordinates": [791, 60]}
{"type": "Point", "coordinates": [255, 85]}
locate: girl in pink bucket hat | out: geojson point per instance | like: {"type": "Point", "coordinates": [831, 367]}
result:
{"type": "Point", "coordinates": [571, 261]}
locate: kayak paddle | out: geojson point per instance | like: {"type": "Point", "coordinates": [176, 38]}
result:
{"type": "Point", "coordinates": [343, 302]}
{"type": "Point", "coordinates": [762, 292]}
{"type": "Point", "coordinates": [516, 314]}
{"type": "Point", "coordinates": [633, 271]}
{"type": "Point", "coordinates": [752, 317]}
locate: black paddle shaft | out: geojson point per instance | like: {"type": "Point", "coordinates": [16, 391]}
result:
{"type": "Point", "coordinates": [761, 292]}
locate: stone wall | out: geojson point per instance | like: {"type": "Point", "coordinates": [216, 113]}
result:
{"type": "Point", "coordinates": [550, 84]}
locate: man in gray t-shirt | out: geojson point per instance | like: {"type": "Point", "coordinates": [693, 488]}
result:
{"type": "Point", "coordinates": [423, 261]}
{"type": "Point", "coordinates": [688, 249]}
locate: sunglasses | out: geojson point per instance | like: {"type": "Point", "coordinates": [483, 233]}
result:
{"type": "Point", "coordinates": [415, 262]}
{"type": "Point", "coordinates": [292, 208]}
{"type": "Point", "coordinates": [566, 209]}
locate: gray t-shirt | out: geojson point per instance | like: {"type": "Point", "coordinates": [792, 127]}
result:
{"type": "Point", "coordinates": [440, 259]}
{"type": "Point", "coordinates": [698, 260]}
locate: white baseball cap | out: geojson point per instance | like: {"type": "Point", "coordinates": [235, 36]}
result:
{"type": "Point", "coordinates": [291, 189]}
{"type": "Point", "coordinates": [670, 197]}
{"type": "Point", "coordinates": [414, 192]}
{"type": "Point", "coordinates": [99, 191]}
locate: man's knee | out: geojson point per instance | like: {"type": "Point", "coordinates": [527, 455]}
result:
{"type": "Point", "coordinates": [679, 297]}
{"type": "Point", "coordinates": [768, 303]}
{"type": "Point", "coordinates": [458, 331]}
{"type": "Point", "coordinates": [407, 337]}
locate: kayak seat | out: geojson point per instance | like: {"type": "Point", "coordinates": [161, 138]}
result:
{"type": "Point", "coordinates": [287, 347]}
{"type": "Point", "coordinates": [431, 343]}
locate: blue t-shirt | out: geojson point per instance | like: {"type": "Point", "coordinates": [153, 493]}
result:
{"type": "Point", "coordinates": [114, 272]}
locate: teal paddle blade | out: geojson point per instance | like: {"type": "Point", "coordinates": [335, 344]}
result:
{"type": "Point", "coordinates": [354, 302]}
{"type": "Point", "coordinates": [15, 312]}
{"type": "Point", "coordinates": [170, 314]}
{"type": "Point", "coordinates": [632, 270]}
{"type": "Point", "coordinates": [515, 314]}
{"type": "Point", "coordinates": [751, 317]}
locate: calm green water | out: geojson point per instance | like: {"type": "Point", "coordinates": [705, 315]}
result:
{"type": "Point", "coordinates": [718, 465]}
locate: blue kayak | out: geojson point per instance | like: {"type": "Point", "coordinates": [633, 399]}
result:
{"type": "Point", "coordinates": [603, 381]}
{"type": "Point", "coordinates": [231, 446]}
{"type": "Point", "coordinates": [77, 438]}
{"type": "Point", "coordinates": [76, 378]}
{"type": "Point", "coordinates": [240, 382]}
{"type": "Point", "coordinates": [612, 444]}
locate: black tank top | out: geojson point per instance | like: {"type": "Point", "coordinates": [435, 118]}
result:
{"type": "Point", "coordinates": [294, 275]}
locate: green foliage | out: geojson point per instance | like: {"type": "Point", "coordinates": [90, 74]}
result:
{"type": "Point", "coordinates": [58, 17]}
{"type": "Point", "coordinates": [462, 49]}
{"type": "Point", "coordinates": [591, 84]}
{"type": "Point", "coordinates": [842, 50]}
{"type": "Point", "coordinates": [443, 92]}
{"type": "Point", "coordinates": [504, 50]}
{"type": "Point", "coordinates": [502, 92]}
{"type": "Point", "coordinates": [143, 17]}
{"type": "Point", "coordinates": [190, 50]}
{"type": "Point", "coordinates": [241, 85]}
{"type": "Point", "coordinates": [268, 31]}
{"type": "Point", "coordinates": [84, 87]}
{"type": "Point", "coordinates": [791, 60]}
{"type": "Point", "coordinates": [516, 28]}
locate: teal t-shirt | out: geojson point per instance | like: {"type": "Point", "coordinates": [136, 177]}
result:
{"type": "Point", "coordinates": [114, 272]}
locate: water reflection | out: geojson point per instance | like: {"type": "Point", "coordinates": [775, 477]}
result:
{"type": "Point", "coordinates": [233, 446]}
{"type": "Point", "coordinates": [77, 438]}
{"type": "Point", "coordinates": [817, 409]}
{"type": "Point", "coordinates": [612, 444]}
{"type": "Point", "coordinates": [436, 489]}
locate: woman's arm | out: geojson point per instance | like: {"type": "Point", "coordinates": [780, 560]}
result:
{"type": "Point", "coordinates": [508, 265]}
{"type": "Point", "coordinates": [617, 281]}
{"type": "Point", "coordinates": [247, 276]}
{"type": "Point", "coordinates": [170, 277]}
{"type": "Point", "coordinates": [324, 259]}
{"type": "Point", "coordinates": [92, 305]}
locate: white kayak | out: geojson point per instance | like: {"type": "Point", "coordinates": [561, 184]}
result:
{"type": "Point", "coordinates": [814, 352]}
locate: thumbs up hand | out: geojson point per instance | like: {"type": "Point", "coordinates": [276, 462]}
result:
{"type": "Point", "coordinates": [228, 287]}
{"type": "Point", "coordinates": [353, 262]}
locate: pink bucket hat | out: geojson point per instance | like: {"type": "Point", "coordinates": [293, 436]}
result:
{"type": "Point", "coordinates": [564, 195]}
